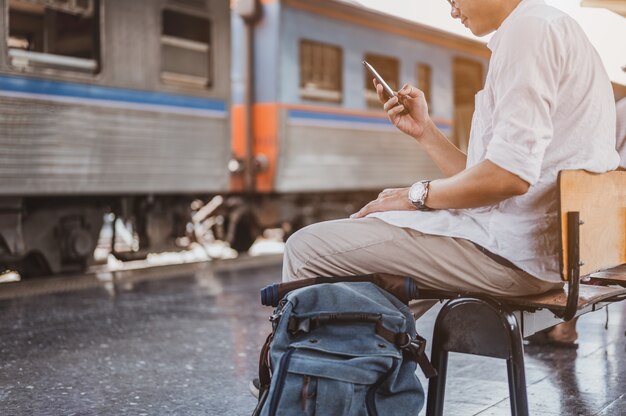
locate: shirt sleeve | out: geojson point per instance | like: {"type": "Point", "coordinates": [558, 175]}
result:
{"type": "Point", "coordinates": [527, 70]}
{"type": "Point", "coordinates": [621, 131]}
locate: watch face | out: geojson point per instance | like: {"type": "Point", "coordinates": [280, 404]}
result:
{"type": "Point", "coordinates": [416, 193]}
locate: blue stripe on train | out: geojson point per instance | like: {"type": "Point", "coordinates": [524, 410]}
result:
{"type": "Point", "coordinates": [96, 92]}
{"type": "Point", "coordinates": [347, 118]}
{"type": "Point", "coordinates": [311, 115]}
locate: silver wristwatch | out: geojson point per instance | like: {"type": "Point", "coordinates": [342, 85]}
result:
{"type": "Point", "coordinates": [418, 194]}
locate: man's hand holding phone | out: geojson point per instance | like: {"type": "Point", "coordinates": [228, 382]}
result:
{"type": "Point", "coordinates": [407, 110]}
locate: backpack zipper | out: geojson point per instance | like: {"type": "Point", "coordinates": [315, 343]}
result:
{"type": "Point", "coordinates": [278, 312]}
{"type": "Point", "coordinates": [369, 399]}
{"type": "Point", "coordinates": [370, 403]}
{"type": "Point", "coordinates": [280, 381]}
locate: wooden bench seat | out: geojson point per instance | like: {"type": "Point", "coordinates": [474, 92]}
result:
{"type": "Point", "coordinates": [556, 300]}
{"type": "Point", "coordinates": [615, 275]}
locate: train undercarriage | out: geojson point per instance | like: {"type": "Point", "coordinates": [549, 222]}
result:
{"type": "Point", "coordinates": [47, 236]}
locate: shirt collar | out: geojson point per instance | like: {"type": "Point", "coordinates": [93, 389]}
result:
{"type": "Point", "coordinates": [495, 39]}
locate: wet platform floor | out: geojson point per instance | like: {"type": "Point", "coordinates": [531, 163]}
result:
{"type": "Point", "coordinates": [189, 345]}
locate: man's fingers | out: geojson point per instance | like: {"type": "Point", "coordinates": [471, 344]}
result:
{"type": "Point", "coordinates": [388, 199]}
{"type": "Point", "coordinates": [360, 214]}
{"type": "Point", "coordinates": [395, 110]}
{"type": "Point", "coordinates": [390, 103]}
{"type": "Point", "coordinates": [380, 92]}
{"type": "Point", "coordinates": [364, 211]}
{"type": "Point", "coordinates": [409, 91]}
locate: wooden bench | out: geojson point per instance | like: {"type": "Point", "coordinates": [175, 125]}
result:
{"type": "Point", "coordinates": [593, 265]}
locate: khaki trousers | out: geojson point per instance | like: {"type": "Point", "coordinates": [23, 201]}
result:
{"type": "Point", "coordinates": [369, 245]}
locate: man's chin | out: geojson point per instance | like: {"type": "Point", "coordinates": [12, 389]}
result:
{"type": "Point", "coordinates": [480, 32]}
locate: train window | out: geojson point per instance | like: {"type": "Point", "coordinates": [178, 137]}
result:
{"type": "Point", "coordinates": [59, 34]}
{"type": "Point", "coordinates": [388, 68]}
{"type": "Point", "coordinates": [467, 81]}
{"type": "Point", "coordinates": [320, 71]}
{"type": "Point", "coordinates": [424, 83]}
{"type": "Point", "coordinates": [186, 49]}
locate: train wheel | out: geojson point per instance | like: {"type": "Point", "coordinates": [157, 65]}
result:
{"type": "Point", "coordinates": [33, 265]}
{"type": "Point", "coordinates": [244, 234]}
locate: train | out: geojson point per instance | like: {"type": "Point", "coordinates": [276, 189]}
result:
{"type": "Point", "coordinates": [242, 115]}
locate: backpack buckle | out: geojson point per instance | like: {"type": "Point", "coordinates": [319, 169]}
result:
{"type": "Point", "coordinates": [403, 340]}
{"type": "Point", "coordinates": [297, 326]}
{"type": "Point", "coordinates": [416, 351]}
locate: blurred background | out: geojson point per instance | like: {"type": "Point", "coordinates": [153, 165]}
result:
{"type": "Point", "coordinates": [199, 127]}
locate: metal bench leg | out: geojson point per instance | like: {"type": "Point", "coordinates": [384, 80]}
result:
{"type": "Point", "coordinates": [517, 388]}
{"type": "Point", "coordinates": [479, 327]}
{"type": "Point", "coordinates": [517, 376]}
{"type": "Point", "coordinates": [437, 385]}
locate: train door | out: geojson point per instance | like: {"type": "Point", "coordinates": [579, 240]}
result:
{"type": "Point", "coordinates": [468, 80]}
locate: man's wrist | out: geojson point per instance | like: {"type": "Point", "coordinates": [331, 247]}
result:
{"type": "Point", "coordinates": [428, 133]}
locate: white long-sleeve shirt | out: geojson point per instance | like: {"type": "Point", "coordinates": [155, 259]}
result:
{"type": "Point", "coordinates": [620, 108]}
{"type": "Point", "coordinates": [547, 106]}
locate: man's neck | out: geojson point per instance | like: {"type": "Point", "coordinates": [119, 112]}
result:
{"type": "Point", "coordinates": [507, 8]}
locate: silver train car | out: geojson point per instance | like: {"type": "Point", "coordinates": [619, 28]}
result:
{"type": "Point", "coordinates": [107, 105]}
{"type": "Point", "coordinates": [140, 107]}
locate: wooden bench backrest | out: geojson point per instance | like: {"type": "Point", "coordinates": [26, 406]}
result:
{"type": "Point", "coordinates": [601, 201]}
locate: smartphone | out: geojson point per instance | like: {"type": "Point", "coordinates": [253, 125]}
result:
{"type": "Point", "coordinates": [386, 88]}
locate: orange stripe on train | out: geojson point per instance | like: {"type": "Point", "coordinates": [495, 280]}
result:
{"type": "Point", "coordinates": [265, 132]}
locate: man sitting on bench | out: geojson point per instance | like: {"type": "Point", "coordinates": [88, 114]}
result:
{"type": "Point", "coordinates": [490, 225]}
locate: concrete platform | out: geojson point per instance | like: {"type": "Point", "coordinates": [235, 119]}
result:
{"type": "Point", "coordinates": [189, 345]}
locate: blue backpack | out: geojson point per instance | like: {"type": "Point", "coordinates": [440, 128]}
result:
{"type": "Point", "coordinates": [341, 349]}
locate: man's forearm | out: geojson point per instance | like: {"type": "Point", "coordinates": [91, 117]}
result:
{"type": "Point", "coordinates": [482, 185]}
{"type": "Point", "coordinates": [445, 155]}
